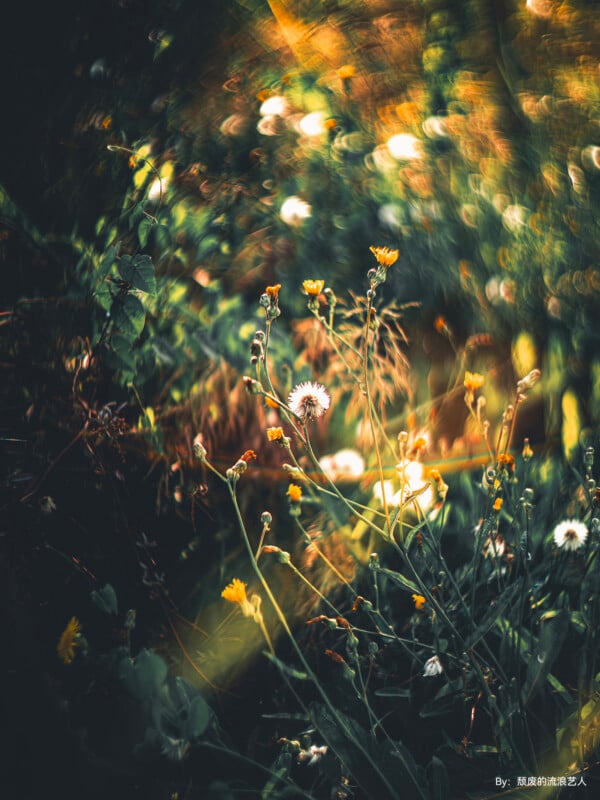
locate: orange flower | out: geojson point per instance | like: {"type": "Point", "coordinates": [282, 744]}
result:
{"type": "Point", "coordinates": [274, 434]}
{"type": "Point", "coordinates": [69, 641]}
{"type": "Point", "coordinates": [334, 656]}
{"type": "Point", "coordinates": [272, 292]}
{"type": "Point", "coordinates": [294, 492]}
{"type": "Point", "coordinates": [441, 325]}
{"type": "Point", "coordinates": [506, 460]}
{"type": "Point", "coordinates": [473, 381]}
{"type": "Point", "coordinates": [385, 256]}
{"type": "Point", "coordinates": [271, 403]}
{"type": "Point", "coordinates": [419, 601]}
{"type": "Point", "coordinates": [235, 592]}
{"type": "Point", "coordinates": [498, 504]}
{"type": "Point", "coordinates": [313, 288]}
{"type": "Point", "coordinates": [249, 455]}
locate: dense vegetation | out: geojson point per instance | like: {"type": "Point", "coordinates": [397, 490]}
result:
{"type": "Point", "coordinates": [301, 394]}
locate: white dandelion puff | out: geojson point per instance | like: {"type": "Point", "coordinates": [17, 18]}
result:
{"type": "Point", "coordinates": [570, 534]}
{"type": "Point", "coordinates": [309, 400]}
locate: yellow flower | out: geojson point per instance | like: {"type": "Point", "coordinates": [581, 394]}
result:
{"type": "Point", "coordinates": [69, 641]}
{"type": "Point", "coordinates": [473, 381]}
{"type": "Point", "coordinates": [419, 601]}
{"type": "Point", "coordinates": [313, 288]}
{"type": "Point", "coordinates": [270, 402]}
{"type": "Point", "coordinates": [498, 504]}
{"type": "Point", "coordinates": [347, 71]}
{"type": "Point", "coordinates": [274, 434]}
{"type": "Point", "coordinates": [235, 592]}
{"type": "Point", "coordinates": [294, 492]}
{"type": "Point", "coordinates": [385, 256]}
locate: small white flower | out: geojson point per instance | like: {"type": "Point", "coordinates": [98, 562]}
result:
{"type": "Point", "coordinates": [433, 667]}
{"type": "Point", "coordinates": [570, 534]}
{"type": "Point", "coordinates": [346, 465]}
{"type": "Point", "coordinates": [309, 400]}
{"type": "Point", "coordinates": [174, 749]}
{"type": "Point", "coordinates": [388, 487]}
{"type": "Point", "coordinates": [294, 211]}
{"type": "Point", "coordinates": [494, 546]}
{"type": "Point", "coordinates": [316, 753]}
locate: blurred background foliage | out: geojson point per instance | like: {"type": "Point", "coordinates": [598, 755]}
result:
{"type": "Point", "coordinates": [163, 163]}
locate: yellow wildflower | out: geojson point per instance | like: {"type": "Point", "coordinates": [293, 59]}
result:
{"type": "Point", "coordinates": [274, 434]}
{"type": "Point", "coordinates": [235, 592]}
{"type": "Point", "coordinates": [346, 71]}
{"type": "Point", "coordinates": [270, 402]}
{"type": "Point", "coordinates": [385, 256]}
{"type": "Point", "coordinates": [498, 504]}
{"type": "Point", "coordinates": [294, 492]}
{"type": "Point", "coordinates": [313, 288]}
{"type": "Point", "coordinates": [69, 641]}
{"type": "Point", "coordinates": [473, 381]}
{"type": "Point", "coordinates": [419, 601]}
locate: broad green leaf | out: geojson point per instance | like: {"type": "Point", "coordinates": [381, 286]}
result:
{"type": "Point", "coordinates": [139, 272]}
{"type": "Point", "coordinates": [198, 719]}
{"type": "Point", "coordinates": [121, 356]}
{"type": "Point", "coordinates": [105, 599]}
{"type": "Point", "coordinates": [143, 675]}
{"type": "Point", "coordinates": [107, 261]}
{"type": "Point", "coordinates": [103, 296]}
{"type": "Point", "coordinates": [128, 315]}
{"type": "Point", "coordinates": [143, 231]}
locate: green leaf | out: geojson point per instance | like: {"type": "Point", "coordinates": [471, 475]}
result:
{"type": "Point", "coordinates": [383, 771]}
{"type": "Point", "coordinates": [139, 272]}
{"type": "Point", "coordinates": [198, 719]}
{"type": "Point", "coordinates": [128, 315]}
{"type": "Point", "coordinates": [393, 691]}
{"type": "Point", "coordinates": [280, 770]}
{"type": "Point", "coordinates": [506, 599]}
{"type": "Point", "coordinates": [103, 296]}
{"type": "Point", "coordinates": [106, 599]}
{"type": "Point", "coordinates": [396, 577]}
{"type": "Point", "coordinates": [553, 630]}
{"type": "Point", "coordinates": [578, 621]}
{"type": "Point", "coordinates": [444, 701]}
{"type": "Point", "coordinates": [107, 261]}
{"type": "Point", "coordinates": [143, 231]}
{"type": "Point", "coordinates": [438, 779]}
{"type": "Point", "coordinates": [143, 675]}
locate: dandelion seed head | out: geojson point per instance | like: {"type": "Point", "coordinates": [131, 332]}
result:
{"type": "Point", "coordinates": [570, 534]}
{"type": "Point", "coordinates": [309, 400]}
